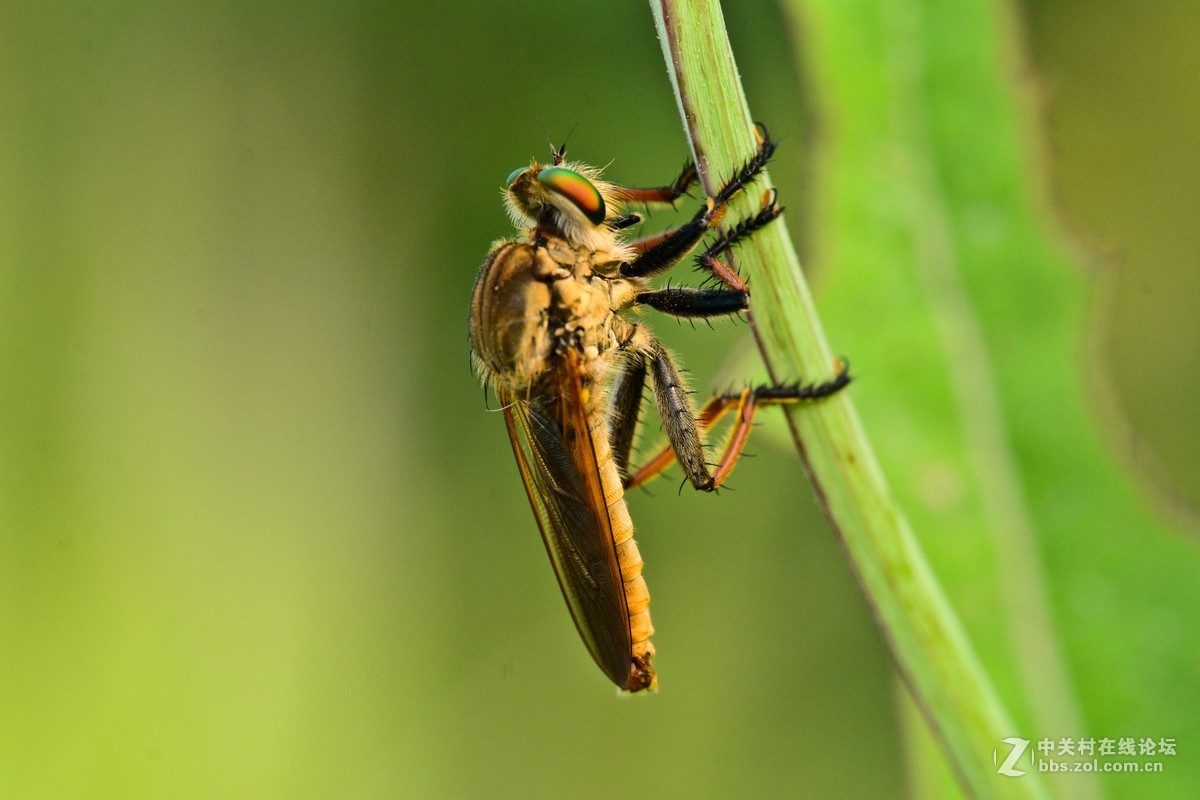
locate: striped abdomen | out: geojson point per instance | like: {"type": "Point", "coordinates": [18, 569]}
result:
{"type": "Point", "coordinates": [637, 596]}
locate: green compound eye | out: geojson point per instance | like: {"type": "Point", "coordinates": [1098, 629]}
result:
{"type": "Point", "coordinates": [576, 188]}
{"type": "Point", "coordinates": [512, 176]}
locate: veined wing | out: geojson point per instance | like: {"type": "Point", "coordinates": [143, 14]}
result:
{"type": "Point", "coordinates": [553, 446]}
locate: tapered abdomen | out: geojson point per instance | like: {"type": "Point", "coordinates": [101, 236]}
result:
{"type": "Point", "coordinates": [637, 596]}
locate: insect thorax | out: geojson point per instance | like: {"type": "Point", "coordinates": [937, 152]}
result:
{"type": "Point", "coordinates": [534, 300]}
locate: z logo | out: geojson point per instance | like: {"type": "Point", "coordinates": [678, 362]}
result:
{"type": "Point", "coordinates": [1018, 749]}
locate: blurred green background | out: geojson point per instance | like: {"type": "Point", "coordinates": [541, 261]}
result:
{"type": "Point", "coordinates": [259, 536]}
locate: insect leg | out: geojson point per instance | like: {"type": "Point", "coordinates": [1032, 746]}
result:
{"type": "Point", "coordinates": [624, 409]}
{"type": "Point", "coordinates": [746, 402]}
{"type": "Point", "coordinates": [678, 417]}
{"type": "Point", "coordinates": [662, 252]}
{"type": "Point", "coordinates": [768, 212]}
{"type": "Point", "coordinates": [660, 194]}
{"type": "Point", "coordinates": [710, 259]}
{"type": "Point", "coordinates": [683, 301]}
{"type": "Point", "coordinates": [750, 399]}
{"type": "Point", "coordinates": [749, 170]}
{"type": "Point", "coordinates": [646, 242]}
{"type": "Point", "coordinates": [710, 414]}
{"type": "Point", "coordinates": [659, 254]}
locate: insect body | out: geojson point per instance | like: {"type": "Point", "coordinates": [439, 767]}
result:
{"type": "Point", "coordinates": [549, 335]}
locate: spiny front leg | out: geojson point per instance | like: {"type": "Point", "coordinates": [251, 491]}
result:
{"type": "Point", "coordinates": [710, 259]}
{"type": "Point", "coordinates": [660, 195]}
{"type": "Point", "coordinates": [663, 252]}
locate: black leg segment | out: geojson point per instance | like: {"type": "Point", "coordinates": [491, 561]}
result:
{"type": "Point", "coordinates": [744, 229]}
{"type": "Point", "coordinates": [625, 408]}
{"type": "Point", "coordinates": [799, 392]}
{"type": "Point", "coordinates": [750, 169]}
{"type": "Point", "coordinates": [695, 303]}
{"type": "Point", "coordinates": [670, 251]}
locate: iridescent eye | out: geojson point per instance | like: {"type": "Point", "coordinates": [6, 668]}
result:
{"type": "Point", "coordinates": [576, 188]}
{"type": "Point", "coordinates": [512, 176]}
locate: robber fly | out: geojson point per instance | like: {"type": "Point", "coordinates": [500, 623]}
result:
{"type": "Point", "coordinates": [550, 335]}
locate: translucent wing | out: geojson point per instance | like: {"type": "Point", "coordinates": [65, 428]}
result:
{"type": "Point", "coordinates": [553, 445]}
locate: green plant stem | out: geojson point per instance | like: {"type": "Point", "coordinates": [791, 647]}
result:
{"type": "Point", "coordinates": [926, 639]}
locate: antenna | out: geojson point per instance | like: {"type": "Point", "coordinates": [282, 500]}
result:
{"type": "Point", "coordinates": [559, 153]}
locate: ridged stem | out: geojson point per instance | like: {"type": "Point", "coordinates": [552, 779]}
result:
{"type": "Point", "coordinates": [931, 652]}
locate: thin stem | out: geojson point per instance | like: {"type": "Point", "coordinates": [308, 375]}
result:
{"type": "Point", "coordinates": [926, 639]}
